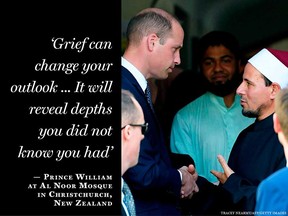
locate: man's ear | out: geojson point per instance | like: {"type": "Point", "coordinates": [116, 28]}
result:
{"type": "Point", "coordinates": [276, 123]}
{"type": "Point", "coordinates": [275, 88]}
{"type": "Point", "coordinates": [127, 132]}
{"type": "Point", "coordinates": [151, 41]}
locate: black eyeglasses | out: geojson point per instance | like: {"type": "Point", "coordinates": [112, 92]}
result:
{"type": "Point", "coordinates": [144, 127]}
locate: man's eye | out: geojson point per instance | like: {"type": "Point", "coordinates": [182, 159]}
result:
{"type": "Point", "coordinates": [208, 63]}
{"type": "Point", "coordinates": [227, 61]}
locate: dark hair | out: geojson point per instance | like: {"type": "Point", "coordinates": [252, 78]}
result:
{"type": "Point", "coordinates": [216, 38]}
{"type": "Point", "coordinates": [267, 81]}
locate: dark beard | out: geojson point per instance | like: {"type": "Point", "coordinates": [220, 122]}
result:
{"type": "Point", "coordinates": [253, 113]}
{"type": "Point", "coordinates": [250, 113]}
{"type": "Point", "coordinates": [227, 88]}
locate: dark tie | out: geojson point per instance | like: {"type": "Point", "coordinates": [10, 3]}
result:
{"type": "Point", "coordinates": [148, 97]}
{"type": "Point", "coordinates": [128, 199]}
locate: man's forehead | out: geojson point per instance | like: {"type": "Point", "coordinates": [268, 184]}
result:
{"type": "Point", "coordinates": [250, 72]}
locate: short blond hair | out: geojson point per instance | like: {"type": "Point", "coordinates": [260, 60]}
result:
{"type": "Point", "coordinates": [129, 110]}
{"type": "Point", "coordinates": [281, 109]}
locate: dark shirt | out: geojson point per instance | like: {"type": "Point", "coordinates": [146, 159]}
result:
{"type": "Point", "coordinates": [256, 154]}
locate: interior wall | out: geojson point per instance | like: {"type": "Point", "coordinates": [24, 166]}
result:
{"type": "Point", "coordinates": [257, 23]}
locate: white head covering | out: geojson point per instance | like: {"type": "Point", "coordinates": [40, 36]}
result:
{"type": "Point", "coordinates": [273, 64]}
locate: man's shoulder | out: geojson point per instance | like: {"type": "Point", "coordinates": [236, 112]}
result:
{"type": "Point", "coordinates": [195, 104]}
{"type": "Point", "coordinates": [127, 79]}
{"type": "Point", "coordinates": [275, 183]}
{"type": "Point", "coordinates": [125, 73]}
{"type": "Point", "coordinates": [277, 178]}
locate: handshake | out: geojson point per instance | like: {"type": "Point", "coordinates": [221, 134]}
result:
{"type": "Point", "coordinates": [189, 178]}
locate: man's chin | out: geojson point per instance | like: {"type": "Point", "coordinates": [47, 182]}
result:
{"type": "Point", "coordinates": [221, 91]}
{"type": "Point", "coordinates": [249, 113]}
{"type": "Point", "coordinates": [219, 82]}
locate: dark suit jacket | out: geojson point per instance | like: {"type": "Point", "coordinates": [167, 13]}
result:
{"type": "Point", "coordinates": [123, 213]}
{"type": "Point", "coordinates": [154, 183]}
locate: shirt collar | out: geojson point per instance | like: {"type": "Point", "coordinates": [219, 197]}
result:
{"type": "Point", "coordinates": [264, 123]}
{"type": "Point", "coordinates": [135, 72]}
{"type": "Point", "coordinates": [220, 100]}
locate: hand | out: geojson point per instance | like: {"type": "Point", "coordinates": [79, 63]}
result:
{"type": "Point", "coordinates": [189, 177]}
{"type": "Point", "coordinates": [222, 177]}
{"type": "Point", "coordinates": [192, 171]}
